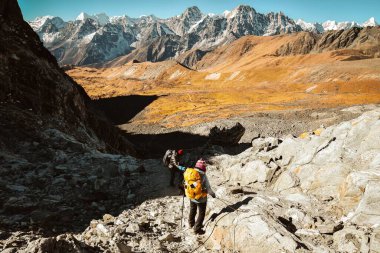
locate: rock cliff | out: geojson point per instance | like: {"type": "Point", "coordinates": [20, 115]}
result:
{"type": "Point", "coordinates": [53, 143]}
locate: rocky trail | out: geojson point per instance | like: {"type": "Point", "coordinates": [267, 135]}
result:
{"type": "Point", "coordinates": [277, 196]}
{"type": "Point", "coordinates": [314, 193]}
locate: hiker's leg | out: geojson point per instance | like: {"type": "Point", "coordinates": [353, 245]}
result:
{"type": "Point", "coordinates": [172, 176]}
{"type": "Point", "coordinates": [201, 216]}
{"type": "Point", "coordinates": [193, 212]}
{"type": "Point", "coordinates": [180, 178]}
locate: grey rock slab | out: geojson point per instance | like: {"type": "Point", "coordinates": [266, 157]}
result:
{"type": "Point", "coordinates": [375, 241]}
{"type": "Point", "coordinates": [368, 210]}
{"type": "Point", "coordinates": [351, 240]}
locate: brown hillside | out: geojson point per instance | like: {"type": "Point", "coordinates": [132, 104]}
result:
{"type": "Point", "coordinates": [251, 74]}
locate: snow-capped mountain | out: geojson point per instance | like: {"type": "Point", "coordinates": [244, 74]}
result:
{"type": "Point", "coordinates": [101, 18]}
{"type": "Point", "coordinates": [96, 39]}
{"type": "Point", "coordinates": [370, 22]}
{"type": "Point", "coordinates": [181, 24]}
{"type": "Point", "coordinates": [333, 25]}
{"type": "Point", "coordinates": [46, 24]}
{"type": "Point", "coordinates": [310, 27]}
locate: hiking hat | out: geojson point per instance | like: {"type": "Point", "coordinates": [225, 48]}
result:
{"type": "Point", "coordinates": [201, 164]}
{"type": "Point", "coordinates": [180, 152]}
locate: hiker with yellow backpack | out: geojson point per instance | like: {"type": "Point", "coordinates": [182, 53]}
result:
{"type": "Point", "coordinates": [197, 187]}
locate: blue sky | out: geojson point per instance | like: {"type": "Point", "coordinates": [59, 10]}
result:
{"type": "Point", "coordinates": [309, 10]}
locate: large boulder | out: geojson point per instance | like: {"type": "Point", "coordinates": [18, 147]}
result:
{"type": "Point", "coordinates": [226, 136]}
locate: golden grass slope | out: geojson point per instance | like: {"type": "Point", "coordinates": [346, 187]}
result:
{"type": "Point", "coordinates": [244, 76]}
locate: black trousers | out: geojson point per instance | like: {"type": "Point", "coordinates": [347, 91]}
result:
{"type": "Point", "coordinates": [198, 225]}
{"type": "Point", "coordinates": [173, 173]}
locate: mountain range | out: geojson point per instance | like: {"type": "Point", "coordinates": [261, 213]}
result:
{"type": "Point", "coordinates": [107, 41]}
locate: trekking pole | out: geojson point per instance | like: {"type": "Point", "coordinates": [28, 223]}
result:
{"type": "Point", "coordinates": [183, 203]}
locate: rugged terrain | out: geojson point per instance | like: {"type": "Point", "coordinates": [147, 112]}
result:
{"type": "Point", "coordinates": [313, 193]}
{"type": "Point", "coordinates": [71, 181]}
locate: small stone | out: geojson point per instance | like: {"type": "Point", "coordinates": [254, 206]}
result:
{"type": "Point", "coordinates": [307, 232]}
{"type": "Point", "coordinates": [132, 228]}
{"type": "Point", "coordinates": [329, 229]}
{"type": "Point", "coordinates": [119, 222]}
{"type": "Point", "coordinates": [123, 248]}
{"type": "Point", "coordinates": [168, 237]}
{"type": "Point", "coordinates": [108, 218]}
{"type": "Point", "coordinates": [102, 229]}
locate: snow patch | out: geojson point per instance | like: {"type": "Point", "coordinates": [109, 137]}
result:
{"type": "Point", "coordinates": [213, 76]}
{"type": "Point", "coordinates": [192, 28]}
{"type": "Point", "coordinates": [39, 22]}
{"type": "Point", "coordinates": [226, 13]}
{"type": "Point", "coordinates": [233, 75]}
{"type": "Point", "coordinates": [176, 74]}
{"type": "Point", "coordinates": [48, 38]}
{"type": "Point", "coordinates": [129, 72]}
{"type": "Point", "coordinates": [311, 88]}
{"type": "Point", "coordinates": [87, 39]}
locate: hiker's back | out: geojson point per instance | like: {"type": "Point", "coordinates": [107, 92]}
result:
{"type": "Point", "coordinates": [194, 184]}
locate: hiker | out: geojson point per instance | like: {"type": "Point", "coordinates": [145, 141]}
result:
{"type": "Point", "coordinates": [197, 187]}
{"type": "Point", "coordinates": [171, 160]}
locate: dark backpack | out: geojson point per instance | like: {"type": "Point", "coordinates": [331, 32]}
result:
{"type": "Point", "coordinates": [167, 157]}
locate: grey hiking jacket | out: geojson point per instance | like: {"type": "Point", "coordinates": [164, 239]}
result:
{"type": "Point", "coordinates": [173, 164]}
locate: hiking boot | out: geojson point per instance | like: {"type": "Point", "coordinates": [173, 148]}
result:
{"type": "Point", "coordinates": [200, 232]}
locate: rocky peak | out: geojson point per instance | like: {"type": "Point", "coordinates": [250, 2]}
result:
{"type": "Point", "coordinates": [241, 12]}
{"type": "Point", "coordinates": [310, 27]}
{"type": "Point", "coordinates": [123, 20]}
{"type": "Point", "coordinates": [156, 29]}
{"type": "Point", "coordinates": [101, 18]}
{"type": "Point", "coordinates": [145, 19]}
{"type": "Point", "coordinates": [192, 14]}
{"type": "Point", "coordinates": [82, 16]}
{"type": "Point", "coordinates": [244, 9]}
{"type": "Point", "coordinates": [47, 24]}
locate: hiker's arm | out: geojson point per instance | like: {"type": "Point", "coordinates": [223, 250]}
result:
{"type": "Point", "coordinates": [181, 168]}
{"type": "Point", "coordinates": [174, 162]}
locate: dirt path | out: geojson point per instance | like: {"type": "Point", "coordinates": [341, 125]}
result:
{"type": "Point", "coordinates": [155, 182]}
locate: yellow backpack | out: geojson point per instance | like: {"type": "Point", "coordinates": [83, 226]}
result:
{"type": "Point", "coordinates": [193, 184]}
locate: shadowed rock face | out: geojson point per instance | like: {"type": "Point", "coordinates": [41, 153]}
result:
{"type": "Point", "coordinates": [51, 139]}
{"type": "Point", "coordinates": [34, 83]}
{"type": "Point", "coordinates": [226, 136]}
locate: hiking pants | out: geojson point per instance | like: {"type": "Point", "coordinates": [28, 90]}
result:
{"type": "Point", "coordinates": [173, 172]}
{"type": "Point", "coordinates": [198, 225]}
